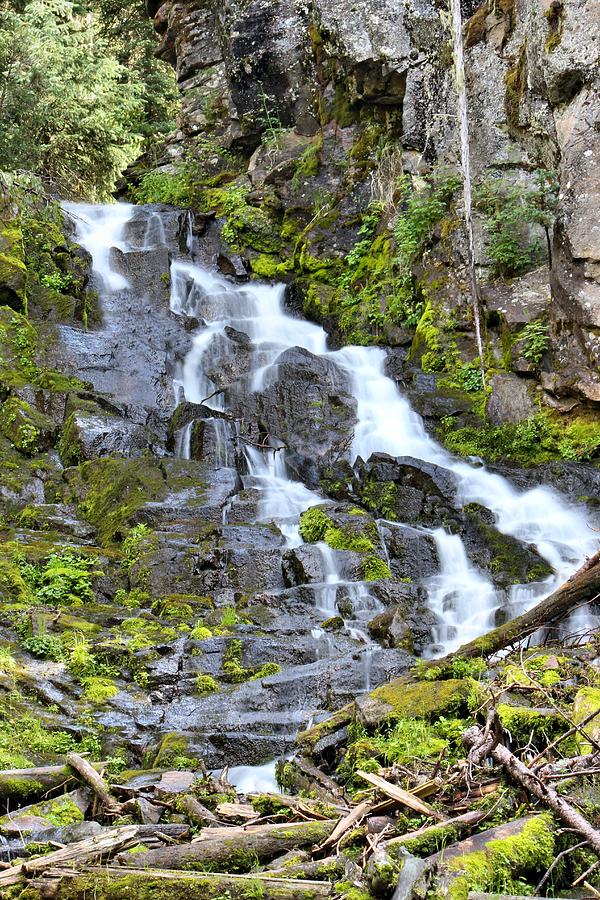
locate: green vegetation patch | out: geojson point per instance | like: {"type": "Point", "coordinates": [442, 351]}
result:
{"type": "Point", "coordinates": [111, 491]}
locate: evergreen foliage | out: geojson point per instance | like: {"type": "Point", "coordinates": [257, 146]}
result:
{"type": "Point", "coordinates": [80, 92]}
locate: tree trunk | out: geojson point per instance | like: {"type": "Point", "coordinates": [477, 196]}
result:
{"type": "Point", "coordinates": [581, 587]}
{"type": "Point", "coordinates": [233, 849]}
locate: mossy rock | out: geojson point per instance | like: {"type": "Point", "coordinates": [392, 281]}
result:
{"type": "Point", "coordinates": [28, 430]}
{"type": "Point", "coordinates": [417, 700]}
{"type": "Point", "coordinates": [526, 723]}
{"type": "Point", "coordinates": [110, 491]}
{"type": "Point", "coordinates": [13, 272]}
{"type": "Point", "coordinates": [587, 699]}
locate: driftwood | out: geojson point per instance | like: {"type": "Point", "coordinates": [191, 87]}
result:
{"type": "Point", "coordinates": [467, 820]}
{"type": "Point", "coordinates": [483, 743]}
{"type": "Point", "coordinates": [83, 851]}
{"type": "Point", "coordinates": [218, 847]}
{"type": "Point", "coordinates": [197, 813]}
{"type": "Point", "coordinates": [116, 883]}
{"type": "Point", "coordinates": [401, 796]}
{"type": "Point", "coordinates": [96, 782]}
{"type": "Point", "coordinates": [354, 817]}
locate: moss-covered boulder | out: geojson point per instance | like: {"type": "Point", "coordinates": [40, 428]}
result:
{"type": "Point", "coordinates": [110, 491]}
{"type": "Point", "coordinates": [496, 860]}
{"type": "Point", "coordinates": [413, 700]}
{"type": "Point", "coordinates": [27, 429]}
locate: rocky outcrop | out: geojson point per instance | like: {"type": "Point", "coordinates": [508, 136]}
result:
{"type": "Point", "coordinates": [327, 105]}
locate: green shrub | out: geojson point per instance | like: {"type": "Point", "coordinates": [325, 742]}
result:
{"type": "Point", "coordinates": [510, 209]}
{"type": "Point", "coordinates": [206, 684]}
{"type": "Point", "coordinates": [45, 646]}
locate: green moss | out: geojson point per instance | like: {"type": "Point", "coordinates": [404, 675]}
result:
{"type": "Point", "coordinates": [246, 226]}
{"type": "Point", "coordinates": [382, 498]}
{"type": "Point", "coordinates": [270, 266]}
{"type": "Point", "coordinates": [266, 670]}
{"type": "Point", "coordinates": [433, 842]}
{"type": "Point", "coordinates": [111, 491]}
{"type": "Point", "coordinates": [422, 699]}
{"type": "Point", "coordinates": [525, 724]}
{"type": "Point", "coordinates": [206, 684]}
{"type": "Point", "coordinates": [24, 426]}
{"type": "Point", "coordinates": [61, 811]}
{"type": "Point", "coordinates": [99, 690]}
{"type": "Point", "coordinates": [537, 440]}
{"type": "Point", "coordinates": [315, 525]}
{"type": "Point", "coordinates": [140, 633]}
{"type": "Point", "coordinates": [497, 868]}
{"type": "Point", "coordinates": [173, 606]}
{"type": "Point", "coordinates": [587, 699]}
{"type": "Point", "coordinates": [200, 632]}
{"type": "Point", "coordinates": [374, 569]}
{"type": "Point", "coordinates": [18, 789]}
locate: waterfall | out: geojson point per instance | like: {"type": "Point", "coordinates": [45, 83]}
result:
{"type": "Point", "coordinates": [463, 118]}
{"type": "Point", "coordinates": [463, 598]}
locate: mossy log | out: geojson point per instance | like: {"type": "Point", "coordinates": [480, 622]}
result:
{"type": "Point", "coordinates": [233, 849]}
{"type": "Point", "coordinates": [18, 785]}
{"type": "Point", "coordinates": [580, 588]}
{"type": "Point", "coordinates": [144, 884]}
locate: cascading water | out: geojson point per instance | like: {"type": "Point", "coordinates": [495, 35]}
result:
{"type": "Point", "coordinates": [252, 317]}
{"type": "Point", "coordinates": [386, 423]}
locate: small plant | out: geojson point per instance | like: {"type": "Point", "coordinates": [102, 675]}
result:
{"type": "Point", "coordinates": [98, 690]}
{"type": "Point", "coordinates": [57, 282]}
{"type": "Point", "coordinates": [535, 339]}
{"type": "Point", "coordinates": [137, 540]}
{"type": "Point", "coordinates": [81, 661]}
{"type": "Point", "coordinates": [206, 684]}
{"type": "Point", "coordinates": [469, 377]}
{"type": "Point", "coordinates": [45, 646]}
{"type": "Point", "coordinates": [64, 580]}
{"type": "Point", "coordinates": [229, 617]}
{"type": "Point", "coordinates": [270, 123]}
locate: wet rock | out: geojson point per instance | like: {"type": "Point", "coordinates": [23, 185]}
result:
{"type": "Point", "coordinates": [508, 560]}
{"type": "Point", "coordinates": [90, 436]}
{"type": "Point", "coordinates": [405, 489]}
{"type": "Point", "coordinates": [232, 265]}
{"type": "Point", "coordinates": [510, 400]}
{"type": "Point", "coordinates": [173, 783]}
{"type": "Point", "coordinates": [302, 565]}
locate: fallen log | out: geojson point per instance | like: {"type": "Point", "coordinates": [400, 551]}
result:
{"type": "Point", "coordinates": [455, 825]}
{"type": "Point", "coordinates": [20, 785]}
{"type": "Point", "coordinates": [83, 851]}
{"type": "Point", "coordinates": [234, 849]}
{"type": "Point", "coordinates": [96, 782]}
{"type": "Point", "coordinates": [482, 743]}
{"type": "Point", "coordinates": [109, 883]}
{"type": "Point", "coordinates": [582, 587]}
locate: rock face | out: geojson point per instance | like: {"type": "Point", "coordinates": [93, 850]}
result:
{"type": "Point", "coordinates": [328, 104]}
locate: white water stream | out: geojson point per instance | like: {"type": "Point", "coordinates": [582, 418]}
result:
{"type": "Point", "coordinates": [464, 599]}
